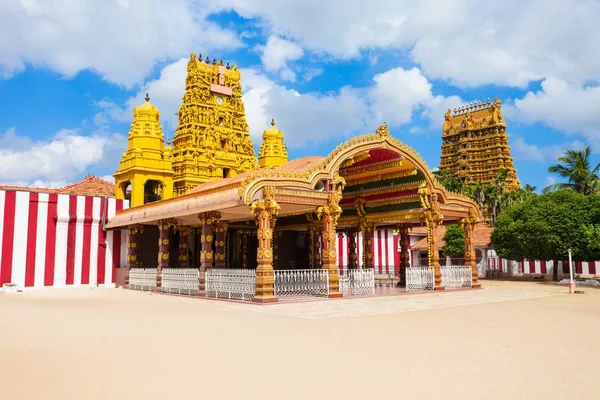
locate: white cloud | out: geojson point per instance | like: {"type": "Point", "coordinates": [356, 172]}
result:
{"type": "Point", "coordinates": [54, 162]}
{"type": "Point", "coordinates": [562, 106]}
{"type": "Point", "coordinates": [394, 97]}
{"type": "Point", "coordinates": [276, 54]}
{"type": "Point", "coordinates": [121, 40]}
{"type": "Point", "coordinates": [550, 180]}
{"type": "Point", "coordinates": [466, 41]}
{"type": "Point", "coordinates": [531, 152]}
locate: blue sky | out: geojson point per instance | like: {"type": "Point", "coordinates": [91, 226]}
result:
{"type": "Point", "coordinates": [70, 74]}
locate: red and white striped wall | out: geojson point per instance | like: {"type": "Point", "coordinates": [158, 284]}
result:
{"type": "Point", "coordinates": [386, 251]}
{"type": "Point", "coordinates": [58, 240]}
{"type": "Point", "coordinates": [537, 267]}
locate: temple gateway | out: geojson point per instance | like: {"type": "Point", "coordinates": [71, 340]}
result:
{"type": "Point", "coordinates": [209, 218]}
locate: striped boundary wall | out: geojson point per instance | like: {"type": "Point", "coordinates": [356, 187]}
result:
{"type": "Point", "coordinates": [58, 240]}
{"type": "Point", "coordinates": [537, 267]}
{"type": "Point", "coordinates": [386, 251]}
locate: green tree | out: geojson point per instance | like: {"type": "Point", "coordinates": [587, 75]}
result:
{"type": "Point", "coordinates": [545, 227]}
{"type": "Point", "coordinates": [591, 233]}
{"type": "Point", "coordinates": [576, 167]}
{"type": "Point", "coordinates": [455, 241]}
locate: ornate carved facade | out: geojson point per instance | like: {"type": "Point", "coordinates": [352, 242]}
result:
{"type": "Point", "coordinates": [475, 144]}
{"type": "Point", "coordinates": [212, 139]}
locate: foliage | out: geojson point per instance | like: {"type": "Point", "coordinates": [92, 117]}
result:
{"type": "Point", "coordinates": [455, 241]}
{"type": "Point", "coordinates": [591, 233]}
{"type": "Point", "coordinates": [575, 166]}
{"type": "Point", "coordinates": [492, 198]}
{"type": "Point", "coordinates": [545, 227]}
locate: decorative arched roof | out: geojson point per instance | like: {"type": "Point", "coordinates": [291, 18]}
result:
{"type": "Point", "coordinates": [308, 171]}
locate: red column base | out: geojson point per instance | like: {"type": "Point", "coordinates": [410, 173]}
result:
{"type": "Point", "coordinates": [439, 288]}
{"type": "Point", "coordinates": [335, 295]}
{"type": "Point", "coordinates": [476, 286]}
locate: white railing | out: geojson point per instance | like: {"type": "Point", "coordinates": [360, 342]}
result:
{"type": "Point", "coordinates": [419, 279]}
{"type": "Point", "coordinates": [301, 283]}
{"type": "Point", "coordinates": [232, 284]}
{"type": "Point", "coordinates": [456, 277]}
{"type": "Point", "coordinates": [180, 280]}
{"type": "Point", "coordinates": [358, 282]}
{"type": "Point", "coordinates": [142, 278]}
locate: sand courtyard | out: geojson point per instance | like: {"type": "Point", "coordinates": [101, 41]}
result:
{"type": "Point", "coordinates": [512, 340]}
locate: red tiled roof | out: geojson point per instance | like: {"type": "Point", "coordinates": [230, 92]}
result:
{"type": "Point", "coordinates": [89, 186]}
{"type": "Point", "coordinates": [481, 233]}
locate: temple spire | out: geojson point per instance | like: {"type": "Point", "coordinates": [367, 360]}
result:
{"type": "Point", "coordinates": [147, 98]}
{"type": "Point", "coordinates": [273, 152]}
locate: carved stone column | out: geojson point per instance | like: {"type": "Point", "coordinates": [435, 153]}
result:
{"type": "Point", "coordinates": [329, 215]}
{"type": "Point", "coordinates": [207, 221]}
{"type": "Point", "coordinates": [470, 259]}
{"type": "Point", "coordinates": [184, 232]}
{"type": "Point", "coordinates": [163, 251]}
{"type": "Point", "coordinates": [367, 229]}
{"type": "Point", "coordinates": [265, 211]}
{"type": "Point", "coordinates": [353, 256]}
{"type": "Point", "coordinates": [243, 234]}
{"type": "Point", "coordinates": [277, 235]}
{"type": "Point", "coordinates": [220, 240]}
{"type": "Point", "coordinates": [314, 231]}
{"type": "Point", "coordinates": [432, 218]}
{"type": "Point", "coordinates": [404, 258]}
{"type": "Point", "coordinates": [135, 232]}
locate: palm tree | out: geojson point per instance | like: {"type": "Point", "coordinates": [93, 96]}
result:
{"type": "Point", "coordinates": [575, 166]}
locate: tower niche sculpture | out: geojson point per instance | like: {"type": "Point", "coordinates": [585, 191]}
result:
{"type": "Point", "coordinates": [212, 139]}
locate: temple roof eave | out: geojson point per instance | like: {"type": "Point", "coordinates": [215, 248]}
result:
{"type": "Point", "coordinates": [182, 207]}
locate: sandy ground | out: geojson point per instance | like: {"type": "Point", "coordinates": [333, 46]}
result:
{"type": "Point", "coordinates": [508, 341]}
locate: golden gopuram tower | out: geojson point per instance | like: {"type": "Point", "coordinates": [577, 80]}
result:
{"type": "Point", "coordinates": [475, 144]}
{"type": "Point", "coordinates": [212, 139]}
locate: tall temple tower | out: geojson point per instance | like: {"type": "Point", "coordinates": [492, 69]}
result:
{"type": "Point", "coordinates": [146, 165]}
{"type": "Point", "coordinates": [475, 144]}
{"type": "Point", "coordinates": [212, 139]}
{"type": "Point", "coordinates": [273, 152]}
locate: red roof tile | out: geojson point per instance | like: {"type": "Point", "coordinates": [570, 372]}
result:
{"type": "Point", "coordinates": [89, 186]}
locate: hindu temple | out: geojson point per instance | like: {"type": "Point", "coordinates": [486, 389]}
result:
{"type": "Point", "coordinates": [210, 218]}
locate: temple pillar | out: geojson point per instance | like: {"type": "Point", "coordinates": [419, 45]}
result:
{"type": "Point", "coordinates": [352, 256]}
{"type": "Point", "coordinates": [367, 229]}
{"type": "Point", "coordinates": [135, 232]}
{"type": "Point", "coordinates": [265, 211]}
{"type": "Point", "coordinates": [315, 246]}
{"type": "Point", "coordinates": [207, 221]}
{"type": "Point", "coordinates": [329, 215]}
{"type": "Point", "coordinates": [404, 257]}
{"type": "Point", "coordinates": [433, 256]}
{"type": "Point", "coordinates": [470, 258]}
{"type": "Point", "coordinates": [137, 192]}
{"type": "Point", "coordinates": [184, 232]}
{"type": "Point", "coordinates": [277, 235]}
{"type": "Point", "coordinates": [220, 241]}
{"type": "Point", "coordinates": [244, 248]}
{"type": "Point", "coordinates": [163, 252]}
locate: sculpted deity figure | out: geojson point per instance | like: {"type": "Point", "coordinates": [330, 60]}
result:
{"type": "Point", "coordinates": [446, 127]}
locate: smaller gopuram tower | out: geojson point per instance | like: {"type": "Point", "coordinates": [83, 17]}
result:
{"type": "Point", "coordinates": [273, 152]}
{"type": "Point", "coordinates": [212, 139]}
{"type": "Point", "coordinates": [475, 144]}
{"type": "Point", "coordinates": [146, 165]}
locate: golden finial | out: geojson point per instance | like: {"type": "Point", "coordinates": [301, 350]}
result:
{"type": "Point", "coordinates": [272, 121]}
{"type": "Point", "coordinates": [147, 98]}
{"type": "Point", "coordinates": [383, 130]}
